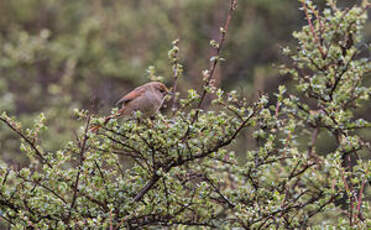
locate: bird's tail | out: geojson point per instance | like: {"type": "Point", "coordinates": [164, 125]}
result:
{"type": "Point", "coordinates": [95, 128]}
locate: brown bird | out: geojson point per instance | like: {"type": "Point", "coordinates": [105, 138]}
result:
{"type": "Point", "coordinates": [147, 99]}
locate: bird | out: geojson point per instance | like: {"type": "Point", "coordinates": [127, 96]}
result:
{"type": "Point", "coordinates": [147, 99]}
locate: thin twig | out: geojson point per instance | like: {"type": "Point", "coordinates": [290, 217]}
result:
{"type": "Point", "coordinates": [176, 77]}
{"type": "Point", "coordinates": [232, 8]}
{"type": "Point", "coordinates": [75, 187]}
{"type": "Point", "coordinates": [316, 39]}
{"type": "Point", "coordinates": [217, 190]}
{"type": "Point", "coordinates": [38, 183]}
{"type": "Point", "coordinates": [311, 153]}
{"type": "Point", "coordinates": [211, 71]}
{"type": "Point", "coordinates": [29, 142]}
{"type": "Point", "coordinates": [360, 196]}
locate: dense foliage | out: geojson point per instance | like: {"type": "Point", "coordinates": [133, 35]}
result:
{"type": "Point", "coordinates": [183, 172]}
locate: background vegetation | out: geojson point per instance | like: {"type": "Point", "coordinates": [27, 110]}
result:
{"type": "Point", "coordinates": [57, 56]}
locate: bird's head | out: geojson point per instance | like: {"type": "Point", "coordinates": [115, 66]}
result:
{"type": "Point", "coordinates": [160, 88]}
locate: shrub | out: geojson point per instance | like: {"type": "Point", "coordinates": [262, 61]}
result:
{"type": "Point", "coordinates": [183, 171]}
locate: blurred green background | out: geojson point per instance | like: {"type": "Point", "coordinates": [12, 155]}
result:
{"type": "Point", "coordinates": [59, 55]}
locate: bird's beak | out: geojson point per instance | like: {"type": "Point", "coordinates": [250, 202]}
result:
{"type": "Point", "coordinates": [170, 93]}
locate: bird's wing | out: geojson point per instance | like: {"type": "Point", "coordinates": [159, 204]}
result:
{"type": "Point", "coordinates": [131, 96]}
